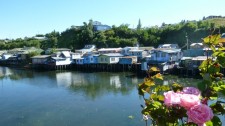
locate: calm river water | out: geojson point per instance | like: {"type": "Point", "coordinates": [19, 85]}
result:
{"type": "Point", "coordinates": [70, 98]}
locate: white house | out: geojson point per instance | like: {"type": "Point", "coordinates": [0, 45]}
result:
{"type": "Point", "coordinates": [5, 56]}
{"type": "Point", "coordinates": [64, 58]}
{"type": "Point", "coordinates": [86, 49]}
{"type": "Point", "coordinates": [75, 55]}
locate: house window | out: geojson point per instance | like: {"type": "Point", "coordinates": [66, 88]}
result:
{"type": "Point", "coordinates": [163, 54]}
{"type": "Point", "coordinates": [91, 59]}
{"type": "Point", "coordinates": [102, 59]}
{"type": "Point", "coordinates": [157, 54]}
{"type": "Point", "coordinates": [105, 59]}
{"type": "Point", "coordinates": [139, 53]}
{"type": "Point", "coordinates": [112, 59]}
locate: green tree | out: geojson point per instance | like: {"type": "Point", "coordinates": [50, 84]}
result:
{"type": "Point", "coordinates": [51, 40]}
{"type": "Point", "coordinates": [87, 34]}
{"type": "Point", "coordinates": [139, 24]}
{"type": "Point", "coordinates": [100, 39]}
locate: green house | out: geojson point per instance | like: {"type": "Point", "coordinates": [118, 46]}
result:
{"type": "Point", "coordinates": [110, 58]}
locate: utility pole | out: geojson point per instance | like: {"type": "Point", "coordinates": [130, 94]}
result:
{"type": "Point", "coordinates": [187, 40]}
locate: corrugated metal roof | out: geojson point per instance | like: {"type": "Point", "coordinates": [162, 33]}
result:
{"type": "Point", "coordinates": [58, 58]}
{"type": "Point", "coordinates": [109, 49]}
{"type": "Point", "coordinates": [41, 56]}
{"type": "Point", "coordinates": [113, 54]}
{"type": "Point", "coordinates": [170, 51]}
{"type": "Point", "coordinates": [66, 54]}
{"type": "Point", "coordinates": [200, 58]}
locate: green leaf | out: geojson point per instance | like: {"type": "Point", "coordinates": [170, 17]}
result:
{"type": "Point", "coordinates": [217, 89]}
{"type": "Point", "coordinates": [221, 60]}
{"type": "Point", "coordinates": [215, 121]}
{"type": "Point", "coordinates": [149, 82]}
{"type": "Point", "coordinates": [154, 69]}
{"type": "Point", "coordinates": [212, 39]}
{"type": "Point", "coordinates": [156, 104]}
{"type": "Point", "coordinates": [153, 96]}
{"type": "Point", "coordinates": [217, 108]}
{"type": "Point", "coordinates": [159, 76]}
{"type": "Point", "coordinates": [165, 88]}
{"type": "Point", "coordinates": [177, 87]}
{"type": "Point", "coordinates": [202, 85]}
{"type": "Point", "coordinates": [161, 97]}
{"type": "Point", "coordinates": [209, 123]}
{"type": "Point", "coordinates": [222, 86]}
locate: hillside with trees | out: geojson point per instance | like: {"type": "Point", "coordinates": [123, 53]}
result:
{"type": "Point", "coordinates": [76, 37]}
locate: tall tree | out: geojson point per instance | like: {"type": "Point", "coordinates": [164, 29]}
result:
{"type": "Point", "coordinates": [139, 24]}
{"type": "Point", "coordinates": [51, 40]}
{"type": "Point", "coordinates": [87, 33]}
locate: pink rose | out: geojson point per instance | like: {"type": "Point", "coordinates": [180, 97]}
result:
{"type": "Point", "coordinates": [171, 98]}
{"type": "Point", "coordinates": [191, 90]}
{"type": "Point", "coordinates": [200, 114]}
{"type": "Point", "coordinates": [189, 100]}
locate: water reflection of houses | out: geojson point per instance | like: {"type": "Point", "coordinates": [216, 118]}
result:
{"type": "Point", "coordinates": [97, 84]}
{"type": "Point", "coordinates": [66, 79]}
{"type": "Point", "coordinates": [5, 71]}
{"type": "Point", "coordinates": [115, 81]}
{"type": "Point", "coordinates": [14, 74]}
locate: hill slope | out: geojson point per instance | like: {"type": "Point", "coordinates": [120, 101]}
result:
{"type": "Point", "coordinates": [217, 21]}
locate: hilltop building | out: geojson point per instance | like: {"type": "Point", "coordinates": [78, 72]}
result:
{"type": "Point", "coordinates": [98, 26]}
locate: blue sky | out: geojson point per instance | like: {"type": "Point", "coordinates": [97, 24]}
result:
{"type": "Point", "coordinates": [21, 18]}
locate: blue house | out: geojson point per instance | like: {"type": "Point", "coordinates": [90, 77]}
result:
{"type": "Point", "coordinates": [90, 58]}
{"type": "Point", "coordinates": [161, 55]}
{"type": "Point", "coordinates": [80, 61]}
{"type": "Point", "coordinates": [128, 60]}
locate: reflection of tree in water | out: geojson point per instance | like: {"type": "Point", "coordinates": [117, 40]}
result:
{"type": "Point", "coordinates": [20, 74]}
{"type": "Point", "coordinates": [14, 73]}
{"type": "Point", "coordinates": [94, 85]}
{"type": "Point", "coordinates": [1, 76]}
{"type": "Point", "coordinates": [169, 80]}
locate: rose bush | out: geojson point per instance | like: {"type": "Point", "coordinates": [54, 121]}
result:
{"type": "Point", "coordinates": [187, 106]}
